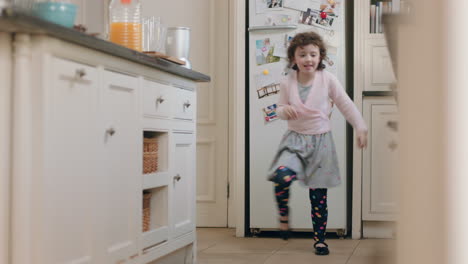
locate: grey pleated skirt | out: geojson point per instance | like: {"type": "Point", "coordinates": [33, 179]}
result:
{"type": "Point", "coordinates": [312, 157]}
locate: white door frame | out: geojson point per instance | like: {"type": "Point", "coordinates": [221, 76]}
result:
{"type": "Point", "coordinates": [236, 205]}
{"type": "Point", "coordinates": [5, 142]}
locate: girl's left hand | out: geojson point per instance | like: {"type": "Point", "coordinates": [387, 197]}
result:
{"type": "Point", "coordinates": [361, 139]}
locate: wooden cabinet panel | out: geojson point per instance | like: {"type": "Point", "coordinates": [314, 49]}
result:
{"type": "Point", "coordinates": [380, 160]}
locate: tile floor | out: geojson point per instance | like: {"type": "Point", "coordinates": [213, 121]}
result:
{"type": "Point", "coordinates": [220, 246]}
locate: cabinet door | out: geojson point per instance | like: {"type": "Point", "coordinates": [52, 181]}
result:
{"type": "Point", "coordinates": [378, 72]}
{"type": "Point", "coordinates": [183, 191]}
{"type": "Point", "coordinates": [380, 160]}
{"type": "Point", "coordinates": [69, 190]}
{"type": "Point", "coordinates": [121, 161]}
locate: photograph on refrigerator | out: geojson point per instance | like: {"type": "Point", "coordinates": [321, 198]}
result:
{"type": "Point", "coordinates": [264, 52]}
{"type": "Point", "coordinates": [270, 113]}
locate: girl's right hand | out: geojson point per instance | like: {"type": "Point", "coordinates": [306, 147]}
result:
{"type": "Point", "coordinates": [290, 112]}
{"type": "Point", "coordinates": [361, 139]}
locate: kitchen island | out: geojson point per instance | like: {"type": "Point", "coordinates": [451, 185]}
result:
{"type": "Point", "coordinates": [78, 182]}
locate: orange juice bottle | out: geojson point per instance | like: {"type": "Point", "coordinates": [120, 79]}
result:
{"type": "Point", "coordinates": [125, 23]}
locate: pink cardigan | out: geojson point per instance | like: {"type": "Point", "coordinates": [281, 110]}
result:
{"type": "Point", "coordinates": [313, 114]}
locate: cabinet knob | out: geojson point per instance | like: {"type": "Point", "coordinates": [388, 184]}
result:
{"type": "Point", "coordinates": [392, 145]}
{"type": "Point", "coordinates": [177, 177]}
{"type": "Point", "coordinates": [80, 73]}
{"type": "Point", "coordinates": [160, 100]}
{"type": "Point", "coordinates": [187, 104]}
{"type": "Point", "coordinates": [110, 131]}
{"type": "Point", "coordinates": [393, 125]}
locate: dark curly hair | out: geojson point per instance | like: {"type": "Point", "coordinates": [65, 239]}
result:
{"type": "Point", "coordinates": [304, 39]}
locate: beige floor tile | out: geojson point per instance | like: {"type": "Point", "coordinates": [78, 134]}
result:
{"type": "Point", "coordinates": [370, 260]}
{"type": "Point", "coordinates": [232, 258]}
{"type": "Point", "coordinates": [305, 258]}
{"type": "Point", "coordinates": [202, 245]}
{"type": "Point", "coordinates": [379, 243]}
{"type": "Point", "coordinates": [247, 245]}
{"type": "Point", "coordinates": [208, 237]}
{"type": "Point", "coordinates": [339, 247]}
{"type": "Point", "coordinates": [376, 251]}
{"type": "Point", "coordinates": [219, 245]}
{"type": "Point", "coordinates": [215, 233]}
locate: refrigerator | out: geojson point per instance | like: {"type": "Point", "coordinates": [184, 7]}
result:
{"type": "Point", "coordinates": [271, 24]}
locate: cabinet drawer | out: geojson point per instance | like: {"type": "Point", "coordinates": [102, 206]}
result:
{"type": "Point", "coordinates": [185, 104]}
{"type": "Point", "coordinates": [73, 73]}
{"type": "Point", "coordinates": [157, 99]}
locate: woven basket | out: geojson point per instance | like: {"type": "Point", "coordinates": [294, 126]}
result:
{"type": "Point", "coordinates": [146, 211]}
{"type": "Point", "coordinates": [150, 155]}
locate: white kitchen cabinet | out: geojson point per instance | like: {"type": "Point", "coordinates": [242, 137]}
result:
{"type": "Point", "coordinates": [374, 205]}
{"type": "Point", "coordinates": [380, 160]}
{"type": "Point", "coordinates": [172, 124]}
{"type": "Point", "coordinates": [183, 204]}
{"type": "Point", "coordinates": [378, 72]}
{"type": "Point", "coordinates": [120, 192]}
{"type": "Point", "coordinates": [78, 160]}
{"type": "Point", "coordinates": [68, 187]}
{"type": "Point", "coordinates": [91, 159]}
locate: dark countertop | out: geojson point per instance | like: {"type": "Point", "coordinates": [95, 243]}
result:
{"type": "Point", "coordinates": [13, 20]}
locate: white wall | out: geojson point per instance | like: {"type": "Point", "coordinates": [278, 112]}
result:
{"type": "Point", "coordinates": [4, 2]}
{"type": "Point", "coordinates": [91, 15]}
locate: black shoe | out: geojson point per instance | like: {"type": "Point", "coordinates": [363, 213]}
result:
{"type": "Point", "coordinates": [284, 234]}
{"type": "Point", "coordinates": [321, 251]}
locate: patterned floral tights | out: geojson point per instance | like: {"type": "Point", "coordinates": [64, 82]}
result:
{"type": "Point", "coordinates": [318, 200]}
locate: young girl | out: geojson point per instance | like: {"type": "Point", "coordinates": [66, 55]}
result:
{"type": "Point", "coordinates": [307, 151]}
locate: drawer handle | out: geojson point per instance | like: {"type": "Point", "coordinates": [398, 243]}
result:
{"type": "Point", "coordinates": [393, 125]}
{"type": "Point", "coordinates": [80, 73]}
{"type": "Point", "coordinates": [392, 145]}
{"type": "Point", "coordinates": [160, 100]}
{"type": "Point", "coordinates": [177, 177]}
{"type": "Point", "coordinates": [187, 104]}
{"type": "Point", "coordinates": [110, 131]}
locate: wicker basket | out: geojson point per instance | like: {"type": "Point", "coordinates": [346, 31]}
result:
{"type": "Point", "coordinates": [150, 155]}
{"type": "Point", "coordinates": [146, 211]}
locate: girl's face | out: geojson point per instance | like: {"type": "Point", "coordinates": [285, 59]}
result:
{"type": "Point", "coordinates": [307, 58]}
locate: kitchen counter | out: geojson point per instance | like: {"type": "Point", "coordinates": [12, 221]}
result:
{"type": "Point", "coordinates": [13, 20]}
{"type": "Point", "coordinates": [74, 114]}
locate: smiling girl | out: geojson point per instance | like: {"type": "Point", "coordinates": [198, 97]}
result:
{"type": "Point", "coordinates": [307, 151]}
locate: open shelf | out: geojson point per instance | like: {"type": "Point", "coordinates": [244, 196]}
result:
{"type": "Point", "coordinates": [154, 180]}
{"type": "Point", "coordinates": [155, 152]}
{"type": "Point", "coordinates": [155, 226]}
{"type": "Point", "coordinates": [376, 9]}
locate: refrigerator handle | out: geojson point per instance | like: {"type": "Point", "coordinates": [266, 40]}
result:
{"type": "Point", "coordinates": [256, 28]}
